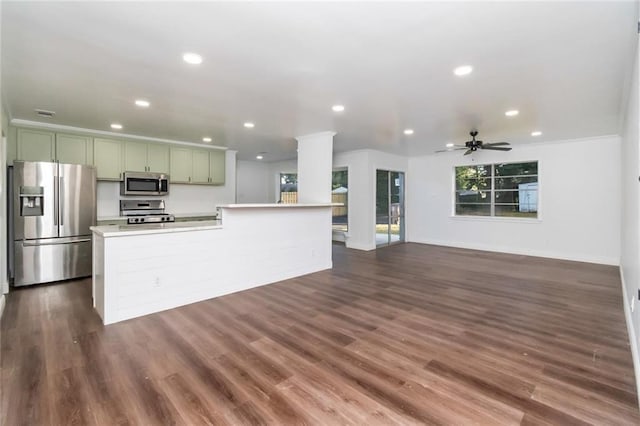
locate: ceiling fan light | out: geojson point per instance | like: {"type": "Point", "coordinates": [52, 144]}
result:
{"type": "Point", "coordinates": [463, 70]}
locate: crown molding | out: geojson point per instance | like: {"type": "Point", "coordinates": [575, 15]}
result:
{"type": "Point", "coordinates": [61, 127]}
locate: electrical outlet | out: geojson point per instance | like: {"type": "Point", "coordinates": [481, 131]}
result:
{"type": "Point", "coordinates": [156, 284]}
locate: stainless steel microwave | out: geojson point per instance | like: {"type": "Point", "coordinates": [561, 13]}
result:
{"type": "Point", "coordinates": [144, 183]}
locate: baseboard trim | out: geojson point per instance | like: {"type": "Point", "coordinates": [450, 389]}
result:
{"type": "Point", "coordinates": [2, 302]}
{"type": "Point", "coordinates": [538, 253]}
{"type": "Point", "coordinates": [356, 246]}
{"type": "Point", "coordinates": [632, 333]}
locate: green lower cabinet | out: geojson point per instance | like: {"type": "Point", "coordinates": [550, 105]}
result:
{"type": "Point", "coordinates": [195, 218]}
{"type": "Point", "coordinates": [74, 149]}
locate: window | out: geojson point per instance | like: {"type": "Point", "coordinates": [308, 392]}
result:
{"type": "Point", "coordinates": [289, 188]}
{"type": "Point", "coordinates": [506, 190]}
{"type": "Point", "coordinates": [340, 194]}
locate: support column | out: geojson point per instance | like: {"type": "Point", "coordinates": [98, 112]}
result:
{"type": "Point", "coordinates": [315, 167]}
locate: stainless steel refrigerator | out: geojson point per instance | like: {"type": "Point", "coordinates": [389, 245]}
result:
{"type": "Point", "coordinates": [53, 206]}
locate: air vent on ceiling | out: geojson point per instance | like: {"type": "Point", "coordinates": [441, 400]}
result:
{"type": "Point", "coordinates": [45, 113]}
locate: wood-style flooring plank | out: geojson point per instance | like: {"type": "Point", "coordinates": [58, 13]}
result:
{"type": "Point", "coordinates": [404, 335]}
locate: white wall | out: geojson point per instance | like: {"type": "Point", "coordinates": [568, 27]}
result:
{"type": "Point", "coordinates": [181, 198]}
{"type": "Point", "coordinates": [4, 281]}
{"type": "Point", "coordinates": [579, 202]}
{"type": "Point", "coordinates": [630, 250]}
{"type": "Point", "coordinates": [315, 164]}
{"type": "Point", "coordinates": [252, 180]}
{"type": "Point", "coordinates": [362, 166]}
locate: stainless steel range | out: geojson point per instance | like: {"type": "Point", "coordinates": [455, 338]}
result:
{"type": "Point", "coordinates": [145, 211]}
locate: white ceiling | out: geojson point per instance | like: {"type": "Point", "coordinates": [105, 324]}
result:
{"type": "Point", "coordinates": [564, 66]}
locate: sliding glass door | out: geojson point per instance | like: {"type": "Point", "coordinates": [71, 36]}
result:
{"type": "Point", "coordinates": [389, 207]}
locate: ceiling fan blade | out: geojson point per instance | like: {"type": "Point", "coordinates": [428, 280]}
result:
{"type": "Point", "coordinates": [469, 151]}
{"type": "Point", "coordinates": [496, 148]}
{"type": "Point", "coordinates": [496, 144]}
{"type": "Point", "coordinates": [456, 148]}
{"type": "Point", "coordinates": [451, 149]}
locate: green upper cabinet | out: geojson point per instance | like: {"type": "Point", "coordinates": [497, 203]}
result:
{"type": "Point", "coordinates": [216, 167]}
{"type": "Point", "coordinates": [108, 158]}
{"type": "Point", "coordinates": [41, 145]}
{"type": "Point", "coordinates": [158, 158]}
{"type": "Point", "coordinates": [35, 145]}
{"type": "Point", "coordinates": [74, 149]}
{"type": "Point", "coordinates": [200, 172]}
{"type": "Point", "coordinates": [146, 157]}
{"type": "Point", "coordinates": [112, 157]}
{"type": "Point", "coordinates": [199, 166]}
{"type": "Point", "coordinates": [135, 156]}
{"type": "Point", "coordinates": [181, 164]}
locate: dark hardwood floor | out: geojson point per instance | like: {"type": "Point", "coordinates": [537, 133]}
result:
{"type": "Point", "coordinates": [409, 334]}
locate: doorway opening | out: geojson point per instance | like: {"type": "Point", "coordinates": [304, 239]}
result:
{"type": "Point", "coordinates": [390, 226]}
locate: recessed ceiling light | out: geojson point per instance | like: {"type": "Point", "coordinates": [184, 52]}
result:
{"type": "Point", "coordinates": [337, 108]}
{"type": "Point", "coordinates": [536, 133]}
{"type": "Point", "coordinates": [259, 157]}
{"type": "Point", "coordinates": [408, 131]}
{"type": "Point", "coordinates": [192, 58]}
{"type": "Point", "coordinates": [512, 113]}
{"type": "Point", "coordinates": [249, 125]}
{"type": "Point", "coordinates": [463, 70]}
{"type": "Point", "coordinates": [142, 103]}
{"type": "Point", "coordinates": [116, 126]}
{"type": "Point", "coordinates": [206, 139]}
{"type": "Point", "coordinates": [449, 145]}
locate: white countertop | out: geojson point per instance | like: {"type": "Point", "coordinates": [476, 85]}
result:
{"type": "Point", "coordinates": [277, 205]}
{"type": "Point", "coordinates": [154, 228]}
{"type": "Point", "coordinates": [179, 215]}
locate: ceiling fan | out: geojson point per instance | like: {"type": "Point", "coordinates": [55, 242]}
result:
{"type": "Point", "coordinates": [473, 145]}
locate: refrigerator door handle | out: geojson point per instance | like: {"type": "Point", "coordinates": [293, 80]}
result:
{"type": "Point", "coordinates": [56, 200]}
{"type": "Point", "coordinates": [55, 243]}
{"type": "Point", "coordinates": [61, 197]}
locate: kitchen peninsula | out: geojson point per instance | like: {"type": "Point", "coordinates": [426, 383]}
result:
{"type": "Point", "coordinates": [142, 269]}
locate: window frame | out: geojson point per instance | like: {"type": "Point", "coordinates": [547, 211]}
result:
{"type": "Point", "coordinates": [333, 226]}
{"type": "Point", "coordinates": [492, 204]}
